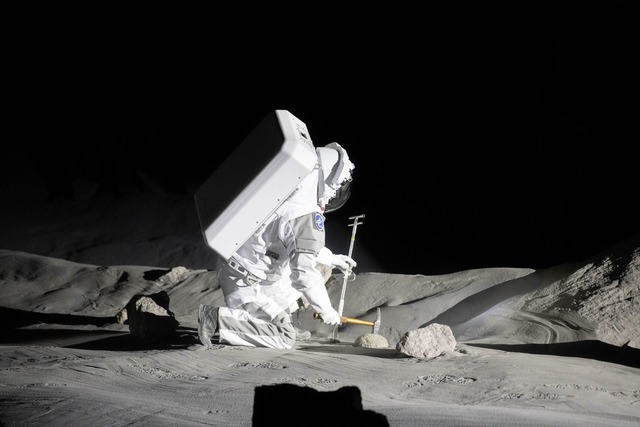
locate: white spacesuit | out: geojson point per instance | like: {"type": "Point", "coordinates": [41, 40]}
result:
{"type": "Point", "coordinates": [263, 281]}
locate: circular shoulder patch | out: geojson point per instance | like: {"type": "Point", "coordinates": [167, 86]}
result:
{"type": "Point", "coordinates": [318, 221]}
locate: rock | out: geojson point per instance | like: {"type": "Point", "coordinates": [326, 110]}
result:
{"type": "Point", "coordinates": [175, 276]}
{"type": "Point", "coordinates": [122, 317]}
{"type": "Point", "coordinates": [371, 341]}
{"type": "Point", "coordinates": [149, 317]}
{"type": "Point", "coordinates": [428, 342]}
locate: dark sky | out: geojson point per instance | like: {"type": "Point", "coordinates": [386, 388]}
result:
{"type": "Point", "coordinates": [481, 137]}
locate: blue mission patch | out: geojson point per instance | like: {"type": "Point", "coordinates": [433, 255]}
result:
{"type": "Point", "coordinates": [319, 221]}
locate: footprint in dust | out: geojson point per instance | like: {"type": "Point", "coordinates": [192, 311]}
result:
{"type": "Point", "coordinates": [164, 373]}
{"type": "Point", "coordinates": [314, 383]}
{"type": "Point", "coordinates": [200, 347]}
{"type": "Point", "coordinates": [443, 379]}
{"type": "Point", "coordinates": [576, 387]}
{"type": "Point", "coordinates": [267, 365]}
{"type": "Point", "coordinates": [437, 379]}
{"type": "Point", "coordinates": [632, 394]}
{"type": "Point", "coordinates": [535, 396]}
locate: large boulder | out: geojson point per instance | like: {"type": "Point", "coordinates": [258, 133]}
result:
{"type": "Point", "coordinates": [149, 317]}
{"type": "Point", "coordinates": [428, 342]}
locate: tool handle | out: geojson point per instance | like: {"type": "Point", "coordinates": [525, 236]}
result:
{"type": "Point", "coordinates": [350, 320]}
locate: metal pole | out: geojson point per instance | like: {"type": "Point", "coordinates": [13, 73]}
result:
{"type": "Point", "coordinates": [347, 274]}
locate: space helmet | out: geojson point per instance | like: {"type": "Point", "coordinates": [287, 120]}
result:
{"type": "Point", "coordinates": [335, 175]}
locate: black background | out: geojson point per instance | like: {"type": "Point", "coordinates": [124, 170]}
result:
{"type": "Point", "coordinates": [499, 136]}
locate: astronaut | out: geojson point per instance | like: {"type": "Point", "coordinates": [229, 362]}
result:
{"type": "Point", "coordinates": [267, 276]}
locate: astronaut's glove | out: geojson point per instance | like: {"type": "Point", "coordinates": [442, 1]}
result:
{"type": "Point", "coordinates": [319, 299]}
{"type": "Point", "coordinates": [330, 317]}
{"type": "Point", "coordinates": [343, 262]}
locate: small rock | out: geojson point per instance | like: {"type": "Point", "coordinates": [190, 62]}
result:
{"type": "Point", "coordinates": [371, 341]}
{"type": "Point", "coordinates": [175, 276]}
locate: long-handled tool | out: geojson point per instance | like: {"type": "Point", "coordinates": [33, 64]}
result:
{"type": "Point", "coordinates": [347, 274]}
{"type": "Point", "coordinates": [353, 321]}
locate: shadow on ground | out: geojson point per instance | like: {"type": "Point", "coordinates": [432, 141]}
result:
{"type": "Point", "coordinates": [14, 318]}
{"type": "Point", "coordinates": [30, 328]}
{"type": "Point", "coordinates": [349, 348]}
{"type": "Point", "coordinates": [588, 349]}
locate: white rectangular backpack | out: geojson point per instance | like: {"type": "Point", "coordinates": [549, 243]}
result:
{"type": "Point", "coordinates": [246, 189]}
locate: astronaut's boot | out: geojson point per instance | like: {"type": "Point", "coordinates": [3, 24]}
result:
{"type": "Point", "coordinates": [207, 324]}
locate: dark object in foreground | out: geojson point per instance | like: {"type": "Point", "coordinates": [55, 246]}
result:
{"type": "Point", "coordinates": [292, 405]}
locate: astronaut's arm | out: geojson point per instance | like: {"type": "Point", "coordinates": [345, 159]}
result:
{"type": "Point", "coordinates": [306, 278]}
{"type": "Point", "coordinates": [308, 241]}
